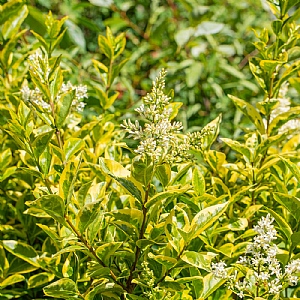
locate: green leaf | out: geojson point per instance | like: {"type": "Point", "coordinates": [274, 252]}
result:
{"type": "Point", "coordinates": [9, 47]}
{"type": "Point", "coordinates": [164, 195]}
{"type": "Point", "coordinates": [283, 118]}
{"type": "Point", "coordinates": [269, 65]}
{"type": "Point", "coordinates": [104, 252]}
{"type": "Point", "coordinates": [53, 205]}
{"type": "Point", "coordinates": [45, 161]}
{"type": "Point", "coordinates": [120, 42]}
{"type": "Point", "coordinates": [20, 266]}
{"type": "Point", "coordinates": [289, 72]}
{"type": "Point", "coordinates": [13, 24]}
{"type": "Point", "coordinates": [295, 238]}
{"type": "Point", "coordinates": [99, 65]}
{"type": "Point", "coordinates": [291, 203]}
{"type": "Point", "coordinates": [238, 147]}
{"type": "Point", "coordinates": [173, 107]}
{"type": "Point", "coordinates": [63, 108]}
{"type": "Point", "coordinates": [82, 193]}
{"type": "Point", "coordinates": [116, 70]}
{"type": "Point", "coordinates": [206, 217]}
{"type": "Point", "coordinates": [163, 174]}
{"type": "Point", "coordinates": [22, 251]}
{"type": "Point", "coordinates": [72, 146]}
{"type": "Point", "coordinates": [166, 261]}
{"type": "Point", "coordinates": [11, 280]}
{"type": "Point", "coordinates": [52, 234]}
{"type": "Point", "coordinates": [110, 290]}
{"type": "Point", "coordinates": [249, 111]}
{"type": "Point", "coordinates": [105, 46]}
{"type": "Point", "coordinates": [88, 214]}
{"type": "Point", "coordinates": [41, 40]}
{"type": "Point", "coordinates": [5, 158]}
{"type": "Point", "coordinates": [41, 142]}
{"type": "Point", "coordinates": [39, 279]}
{"type": "Point", "coordinates": [210, 284]}
{"type": "Point", "coordinates": [9, 9]}
{"type": "Point", "coordinates": [63, 288]}
{"type": "Point", "coordinates": [198, 182]}
{"type": "Point", "coordinates": [212, 131]}
{"type": "Point", "coordinates": [111, 100]}
{"type": "Point", "coordinates": [113, 169]}
{"type": "Point", "coordinates": [128, 214]}
{"type": "Point", "coordinates": [292, 167]}
{"type": "Point", "coordinates": [58, 39]}
{"type": "Point", "coordinates": [142, 169]}
{"type": "Point", "coordinates": [67, 180]}
{"type": "Point", "coordinates": [198, 260]}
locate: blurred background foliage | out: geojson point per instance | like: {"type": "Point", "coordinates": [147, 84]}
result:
{"type": "Point", "coordinates": [205, 46]}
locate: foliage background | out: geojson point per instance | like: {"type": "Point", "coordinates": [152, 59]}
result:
{"type": "Point", "coordinates": [205, 47]}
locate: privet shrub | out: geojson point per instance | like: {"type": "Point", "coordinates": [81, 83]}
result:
{"type": "Point", "coordinates": [96, 209]}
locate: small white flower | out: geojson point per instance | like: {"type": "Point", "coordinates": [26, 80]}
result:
{"type": "Point", "coordinates": [218, 269]}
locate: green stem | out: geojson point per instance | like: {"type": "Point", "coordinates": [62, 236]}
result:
{"type": "Point", "coordinates": [91, 250]}
{"type": "Point", "coordinates": [129, 285]}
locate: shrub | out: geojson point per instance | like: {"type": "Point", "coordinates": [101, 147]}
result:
{"type": "Point", "coordinates": [97, 205]}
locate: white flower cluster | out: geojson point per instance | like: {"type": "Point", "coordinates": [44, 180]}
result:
{"type": "Point", "coordinates": [264, 270]}
{"type": "Point", "coordinates": [35, 96]}
{"type": "Point", "coordinates": [40, 68]}
{"type": "Point", "coordinates": [159, 137]}
{"type": "Point", "coordinates": [80, 93]}
{"type": "Point", "coordinates": [283, 106]}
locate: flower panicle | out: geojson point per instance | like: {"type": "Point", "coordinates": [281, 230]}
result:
{"type": "Point", "coordinates": [261, 263]}
{"type": "Point", "coordinates": [39, 67]}
{"type": "Point", "coordinates": [160, 138]}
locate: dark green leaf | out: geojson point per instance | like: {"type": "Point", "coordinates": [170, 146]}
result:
{"type": "Point", "coordinates": [39, 279]}
{"type": "Point", "coordinates": [11, 280]}
{"type": "Point", "coordinates": [22, 251]}
{"type": "Point", "coordinates": [64, 288]}
{"type": "Point", "coordinates": [198, 260]}
{"type": "Point", "coordinates": [88, 214]}
{"type": "Point", "coordinates": [53, 205]}
{"type": "Point", "coordinates": [206, 218]}
{"type": "Point", "coordinates": [249, 111]}
{"type": "Point", "coordinates": [41, 142]}
{"type": "Point", "coordinates": [63, 108]}
{"type": "Point", "coordinates": [104, 252]}
{"type": "Point", "coordinates": [13, 24]}
{"type": "Point", "coordinates": [291, 203]}
{"type": "Point", "coordinates": [72, 146]}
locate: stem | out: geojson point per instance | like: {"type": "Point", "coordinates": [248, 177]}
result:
{"type": "Point", "coordinates": [130, 286]}
{"type": "Point", "coordinates": [92, 250]}
{"type": "Point", "coordinates": [109, 81]}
